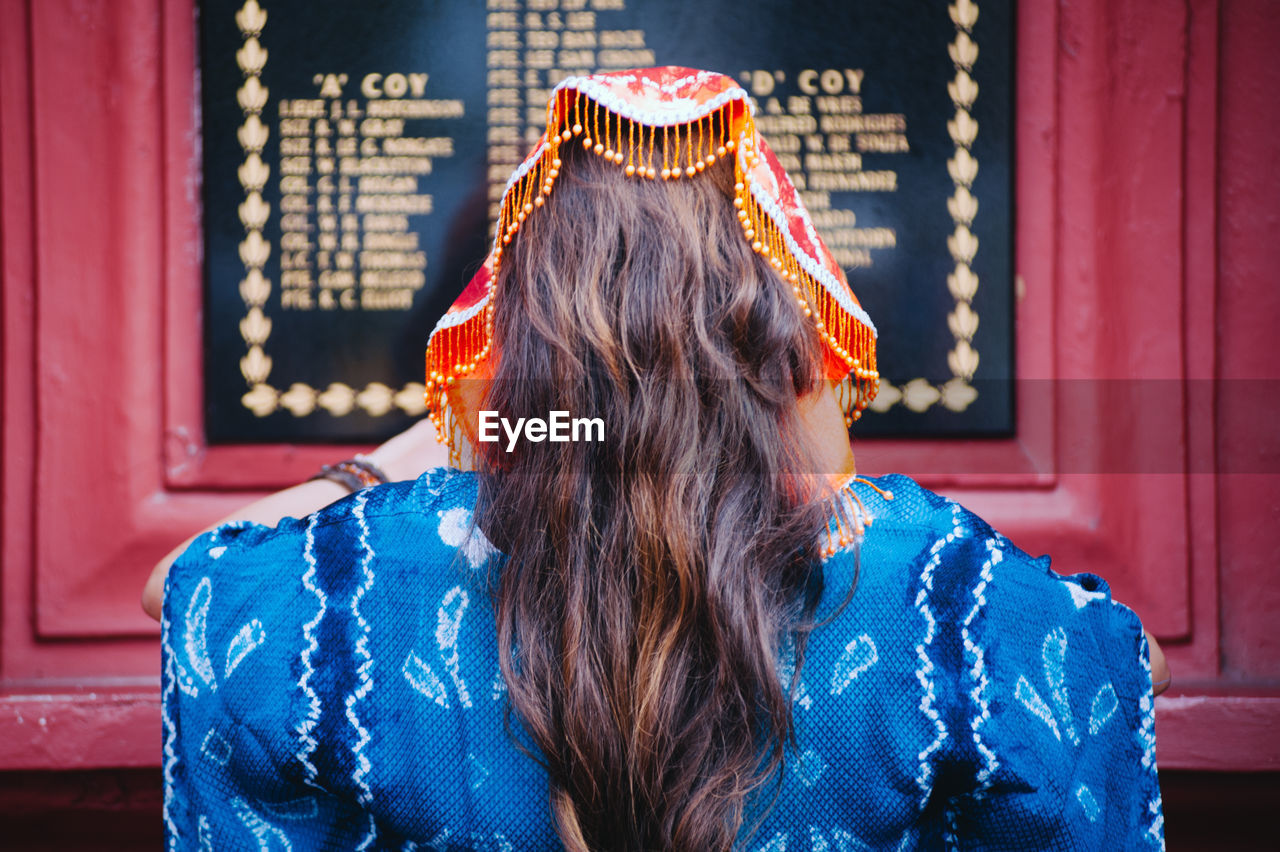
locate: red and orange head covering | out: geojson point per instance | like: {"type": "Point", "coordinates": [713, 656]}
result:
{"type": "Point", "coordinates": [643, 120]}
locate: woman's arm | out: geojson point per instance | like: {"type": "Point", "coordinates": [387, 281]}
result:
{"type": "Point", "coordinates": [1160, 677]}
{"type": "Point", "coordinates": [829, 441]}
{"type": "Point", "coordinates": [405, 456]}
{"type": "Point", "coordinates": [300, 500]}
{"type": "Point", "coordinates": [1060, 740]}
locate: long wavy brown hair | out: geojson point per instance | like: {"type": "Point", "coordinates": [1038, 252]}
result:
{"type": "Point", "coordinates": [651, 576]}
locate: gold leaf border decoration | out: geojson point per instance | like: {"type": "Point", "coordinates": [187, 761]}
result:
{"type": "Point", "coordinates": [300, 400]}
{"type": "Point", "coordinates": [338, 399]}
{"type": "Point", "coordinates": [255, 287]}
{"type": "Point", "coordinates": [957, 394]}
{"type": "Point", "coordinates": [963, 207]}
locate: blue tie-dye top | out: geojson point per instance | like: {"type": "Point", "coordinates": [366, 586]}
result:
{"type": "Point", "coordinates": [333, 684]}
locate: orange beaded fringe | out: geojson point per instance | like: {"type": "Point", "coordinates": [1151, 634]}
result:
{"type": "Point", "coordinates": [684, 151]}
{"type": "Point", "coordinates": [850, 517]}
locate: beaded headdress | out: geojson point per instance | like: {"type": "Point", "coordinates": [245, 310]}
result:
{"type": "Point", "coordinates": [661, 124]}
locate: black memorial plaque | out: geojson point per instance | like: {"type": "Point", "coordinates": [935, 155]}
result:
{"type": "Point", "coordinates": [355, 155]}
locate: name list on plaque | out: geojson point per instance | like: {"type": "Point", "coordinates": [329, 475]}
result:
{"type": "Point", "coordinates": [355, 158]}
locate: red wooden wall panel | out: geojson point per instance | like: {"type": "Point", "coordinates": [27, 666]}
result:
{"type": "Point", "coordinates": [1249, 306]}
{"type": "Point", "coordinates": [100, 510]}
{"type": "Point", "coordinates": [1143, 255]}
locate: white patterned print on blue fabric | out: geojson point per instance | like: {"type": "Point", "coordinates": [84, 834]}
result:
{"type": "Point", "coordinates": [216, 552]}
{"type": "Point", "coordinates": [949, 830]}
{"type": "Point", "coordinates": [448, 624]}
{"type": "Point", "coordinates": [924, 672]}
{"type": "Point", "coordinates": [184, 679]}
{"type": "Point", "coordinates": [1054, 654]}
{"type": "Point", "coordinates": [1146, 729]}
{"type": "Point", "coordinates": [436, 479]}
{"type": "Point", "coordinates": [778, 843]}
{"type": "Point", "coordinates": [787, 671]}
{"type": "Point", "coordinates": [976, 657]}
{"type": "Point", "coordinates": [267, 835]}
{"type": "Point", "coordinates": [838, 840]}
{"type": "Point", "coordinates": [422, 678]}
{"type": "Point", "coordinates": [859, 655]}
{"type": "Point", "coordinates": [457, 531]}
{"type": "Point", "coordinates": [808, 767]}
{"type": "Point", "coordinates": [1087, 802]}
{"type": "Point", "coordinates": [308, 743]}
{"type": "Point", "coordinates": [498, 688]}
{"type": "Point", "coordinates": [1155, 833]}
{"type": "Point", "coordinates": [478, 842]}
{"type": "Point", "coordinates": [369, 836]}
{"type": "Point", "coordinates": [364, 671]}
{"type": "Point", "coordinates": [195, 625]}
{"type": "Point", "coordinates": [203, 834]}
{"type": "Point", "coordinates": [1147, 739]}
{"type": "Point", "coordinates": [475, 842]}
{"type": "Point", "coordinates": [170, 729]}
{"type": "Point", "coordinates": [1030, 699]}
{"type": "Point", "coordinates": [477, 772]}
{"type": "Point", "coordinates": [1104, 707]}
{"type": "Point", "coordinates": [1080, 596]}
{"type": "Point", "coordinates": [216, 748]}
{"type": "Point", "coordinates": [245, 641]}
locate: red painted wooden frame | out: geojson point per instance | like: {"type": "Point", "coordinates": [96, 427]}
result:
{"type": "Point", "coordinates": [105, 465]}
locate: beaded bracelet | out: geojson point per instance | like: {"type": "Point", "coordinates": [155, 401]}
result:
{"type": "Point", "coordinates": [353, 474]}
